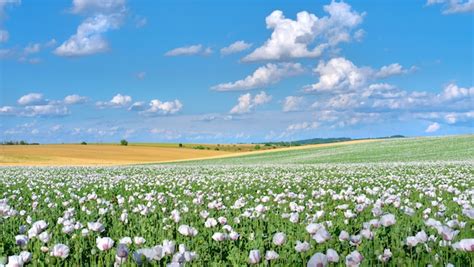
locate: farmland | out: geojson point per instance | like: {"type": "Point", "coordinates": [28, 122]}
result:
{"type": "Point", "coordinates": [450, 148]}
{"type": "Point", "coordinates": [280, 208]}
{"type": "Point", "coordinates": [134, 153]}
{"type": "Point", "coordinates": [107, 154]}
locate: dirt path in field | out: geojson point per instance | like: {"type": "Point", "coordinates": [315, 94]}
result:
{"type": "Point", "coordinates": [111, 155]}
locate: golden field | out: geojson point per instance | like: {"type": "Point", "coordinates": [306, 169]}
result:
{"type": "Point", "coordinates": [112, 154]}
{"type": "Point", "coordinates": [70, 154]}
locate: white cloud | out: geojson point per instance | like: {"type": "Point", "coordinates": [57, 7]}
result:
{"type": "Point", "coordinates": [163, 108]}
{"type": "Point", "coordinates": [7, 110]}
{"type": "Point", "coordinates": [340, 73]}
{"type": "Point", "coordinates": [32, 48]}
{"type": "Point", "coordinates": [4, 36]}
{"type": "Point", "coordinates": [137, 106]}
{"type": "Point", "coordinates": [49, 110]}
{"type": "Point", "coordinates": [89, 37]}
{"type": "Point", "coordinates": [31, 99]}
{"type": "Point", "coordinates": [263, 76]}
{"type": "Point", "coordinates": [166, 134]}
{"type": "Point", "coordinates": [117, 101]}
{"type": "Point", "coordinates": [74, 99]}
{"type": "Point", "coordinates": [292, 103]}
{"type": "Point", "coordinates": [235, 48]}
{"type": "Point", "coordinates": [454, 6]}
{"type": "Point", "coordinates": [261, 98]}
{"type": "Point", "coordinates": [189, 51]}
{"type": "Point", "coordinates": [452, 91]}
{"type": "Point", "coordinates": [246, 103]}
{"type": "Point", "coordinates": [433, 127]}
{"type": "Point", "coordinates": [121, 100]}
{"type": "Point", "coordinates": [302, 126]}
{"type": "Point", "coordinates": [392, 69]}
{"type": "Point", "coordinates": [293, 38]}
{"type": "Point", "coordinates": [97, 6]}
{"type": "Point", "coordinates": [104, 15]}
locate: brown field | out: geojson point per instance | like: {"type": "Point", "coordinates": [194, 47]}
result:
{"type": "Point", "coordinates": [109, 154]}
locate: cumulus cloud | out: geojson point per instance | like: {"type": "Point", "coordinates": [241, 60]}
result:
{"type": "Point", "coordinates": [452, 92]}
{"type": "Point", "coordinates": [236, 47]}
{"type": "Point", "coordinates": [263, 76]}
{"type": "Point", "coordinates": [74, 99]}
{"type": "Point", "coordinates": [189, 51]}
{"type": "Point", "coordinates": [454, 6]}
{"type": "Point", "coordinates": [105, 15]}
{"type": "Point", "coordinates": [340, 73]}
{"type": "Point", "coordinates": [163, 108]}
{"type": "Point", "coordinates": [89, 37]}
{"type": "Point", "coordinates": [292, 103]}
{"type": "Point", "coordinates": [117, 101]}
{"type": "Point", "coordinates": [297, 38]}
{"type": "Point", "coordinates": [245, 102]}
{"type": "Point", "coordinates": [433, 127]}
{"type": "Point", "coordinates": [31, 99]}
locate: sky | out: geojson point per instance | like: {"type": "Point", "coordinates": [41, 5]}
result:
{"type": "Point", "coordinates": [234, 71]}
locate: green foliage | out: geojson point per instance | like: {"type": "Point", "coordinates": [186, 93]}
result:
{"type": "Point", "coordinates": [322, 193]}
{"type": "Point", "coordinates": [124, 142]}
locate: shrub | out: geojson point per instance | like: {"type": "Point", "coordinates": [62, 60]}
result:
{"type": "Point", "coordinates": [124, 142]}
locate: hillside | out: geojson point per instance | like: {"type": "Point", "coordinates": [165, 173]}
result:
{"type": "Point", "coordinates": [449, 148]}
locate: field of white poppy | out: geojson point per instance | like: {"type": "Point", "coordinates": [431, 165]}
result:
{"type": "Point", "coordinates": [446, 148]}
{"type": "Point", "coordinates": [393, 214]}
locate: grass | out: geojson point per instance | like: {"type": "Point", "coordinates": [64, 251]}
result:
{"type": "Point", "coordinates": [449, 148]}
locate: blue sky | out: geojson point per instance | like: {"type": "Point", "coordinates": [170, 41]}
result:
{"type": "Point", "coordinates": [234, 71]}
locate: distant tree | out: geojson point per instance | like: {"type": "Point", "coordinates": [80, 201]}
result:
{"type": "Point", "coordinates": [124, 142]}
{"type": "Point", "coordinates": [83, 143]}
{"type": "Point", "coordinates": [23, 142]}
{"type": "Point", "coordinates": [257, 147]}
{"type": "Point", "coordinates": [180, 145]}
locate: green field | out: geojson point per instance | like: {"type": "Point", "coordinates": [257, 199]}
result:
{"type": "Point", "coordinates": [448, 148]}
